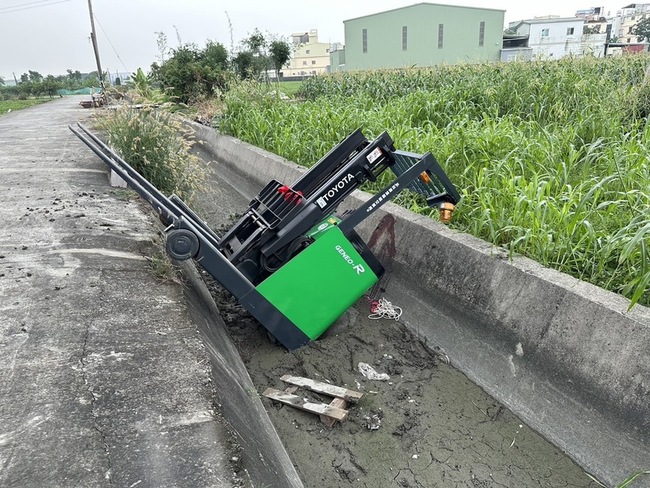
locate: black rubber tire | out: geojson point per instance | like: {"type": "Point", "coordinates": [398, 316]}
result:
{"type": "Point", "coordinates": [182, 244]}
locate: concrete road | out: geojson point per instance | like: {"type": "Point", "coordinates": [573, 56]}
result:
{"type": "Point", "coordinates": [103, 378]}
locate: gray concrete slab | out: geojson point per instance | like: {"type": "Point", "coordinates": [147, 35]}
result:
{"type": "Point", "coordinates": [565, 356]}
{"type": "Point", "coordinates": [104, 380]}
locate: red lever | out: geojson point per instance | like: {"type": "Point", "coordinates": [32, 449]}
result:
{"type": "Point", "coordinates": [294, 196]}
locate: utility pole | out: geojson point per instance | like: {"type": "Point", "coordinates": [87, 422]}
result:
{"type": "Point", "coordinates": [93, 38]}
{"type": "Point", "coordinates": [15, 80]}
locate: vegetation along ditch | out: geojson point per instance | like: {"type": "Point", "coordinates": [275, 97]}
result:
{"type": "Point", "coordinates": [551, 157]}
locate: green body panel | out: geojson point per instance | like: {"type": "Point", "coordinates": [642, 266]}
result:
{"type": "Point", "coordinates": [318, 285]}
{"type": "Point", "coordinates": [319, 229]}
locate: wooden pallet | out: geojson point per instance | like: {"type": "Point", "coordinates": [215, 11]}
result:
{"type": "Point", "coordinates": [335, 411]}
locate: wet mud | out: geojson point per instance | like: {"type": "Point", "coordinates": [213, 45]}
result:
{"type": "Point", "coordinates": [425, 426]}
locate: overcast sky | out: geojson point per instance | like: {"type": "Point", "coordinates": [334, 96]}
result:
{"type": "Point", "coordinates": [51, 36]}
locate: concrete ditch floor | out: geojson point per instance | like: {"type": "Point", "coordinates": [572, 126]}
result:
{"type": "Point", "coordinates": [104, 380]}
{"type": "Point", "coordinates": [437, 428]}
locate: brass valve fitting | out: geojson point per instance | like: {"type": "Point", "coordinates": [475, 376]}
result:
{"type": "Point", "coordinates": [446, 211]}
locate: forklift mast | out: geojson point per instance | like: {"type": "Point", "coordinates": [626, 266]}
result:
{"type": "Point", "coordinates": [290, 231]}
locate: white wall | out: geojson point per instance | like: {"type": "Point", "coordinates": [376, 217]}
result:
{"type": "Point", "coordinates": [553, 41]}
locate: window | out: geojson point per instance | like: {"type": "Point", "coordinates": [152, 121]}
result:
{"type": "Point", "coordinates": [304, 63]}
{"type": "Point", "coordinates": [481, 34]}
{"type": "Point", "coordinates": [544, 32]}
{"type": "Point", "coordinates": [441, 33]}
{"type": "Point", "coordinates": [364, 38]}
{"type": "Point", "coordinates": [569, 31]}
{"type": "Point", "coordinates": [313, 62]}
{"type": "Point", "coordinates": [404, 38]}
{"type": "Point", "coordinates": [308, 51]}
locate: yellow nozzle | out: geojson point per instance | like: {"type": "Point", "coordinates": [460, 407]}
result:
{"type": "Point", "coordinates": [446, 211]}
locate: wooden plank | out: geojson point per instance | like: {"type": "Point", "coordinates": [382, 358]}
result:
{"type": "Point", "coordinates": [323, 388]}
{"type": "Point", "coordinates": [338, 403]}
{"type": "Point", "coordinates": [300, 403]}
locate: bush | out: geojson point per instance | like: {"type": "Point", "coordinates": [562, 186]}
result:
{"type": "Point", "coordinates": [191, 73]}
{"type": "Point", "coordinates": [157, 146]}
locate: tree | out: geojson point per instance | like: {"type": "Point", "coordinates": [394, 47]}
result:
{"type": "Point", "coordinates": [215, 55]}
{"type": "Point", "coordinates": [35, 76]}
{"type": "Point", "coordinates": [191, 73]}
{"type": "Point", "coordinates": [255, 42]}
{"type": "Point", "coordinates": [50, 85]}
{"type": "Point", "coordinates": [243, 64]}
{"type": "Point", "coordinates": [280, 53]}
{"type": "Point", "coordinates": [2, 82]}
{"type": "Point", "coordinates": [641, 30]}
{"type": "Point", "coordinates": [252, 59]}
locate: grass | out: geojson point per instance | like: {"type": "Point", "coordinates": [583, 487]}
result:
{"type": "Point", "coordinates": [7, 106]}
{"type": "Point", "coordinates": [153, 142]}
{"type": "Point", "coordinates": [627, 482]}
{"type": "Point", "coordinates": [290, 88]}
{"type": "Point", "coordinates": [163, 269]}
{"type": "Point", "coordinates": [551, 158]}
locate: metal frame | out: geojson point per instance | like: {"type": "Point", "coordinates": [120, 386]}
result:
{"type": "Point", "coordinates": [278, 219]}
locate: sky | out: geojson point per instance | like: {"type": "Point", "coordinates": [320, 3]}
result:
{"type": "Point", "coordinates": [52, 36]}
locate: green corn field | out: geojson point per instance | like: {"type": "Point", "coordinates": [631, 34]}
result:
{"type": "Point", "coordinates": [551, 158]}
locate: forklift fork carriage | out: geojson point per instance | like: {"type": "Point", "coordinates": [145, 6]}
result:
{"type": "Point", "coordinates": [291, 260]}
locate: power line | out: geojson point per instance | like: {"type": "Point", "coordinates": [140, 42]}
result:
{"type": "Point", "coordinates": [109, 42]}
{"type": "Point", "coordinates": [23, 4]}
{"type": "Point", "coordinates": [19, 8]}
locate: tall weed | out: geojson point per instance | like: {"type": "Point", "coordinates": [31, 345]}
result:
{"type": "Point", "coordinates": [551, 158]}
{"type": "Point", "coordinates": [153, 143]}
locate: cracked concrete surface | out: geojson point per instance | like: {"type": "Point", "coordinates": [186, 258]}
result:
{"type": "Point", "coordinates": [103, 377]}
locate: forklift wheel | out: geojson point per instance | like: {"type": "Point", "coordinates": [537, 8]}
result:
{"type": "Point", "coordinates": [182, 244]}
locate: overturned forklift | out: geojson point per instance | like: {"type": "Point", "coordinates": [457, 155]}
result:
{"type": "Point", "coordinates": [291, 260]}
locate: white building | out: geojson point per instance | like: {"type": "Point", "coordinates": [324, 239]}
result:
{"type": "Point", "coordinates": [556, 37]}
{"type": "Point", "coordinates": [626, 19]}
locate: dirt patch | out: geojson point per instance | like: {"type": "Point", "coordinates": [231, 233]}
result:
{"type": "Point", "coordinates": [426, 426]}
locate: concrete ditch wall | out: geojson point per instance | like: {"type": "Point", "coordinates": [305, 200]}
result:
{"type": "Point", "coordinates": [564, 355]}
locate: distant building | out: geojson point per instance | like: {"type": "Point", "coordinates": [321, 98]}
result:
{"type": "Point", "coordinates": [310, 57]}
{"type": "Point", "coordinates": [626, 19]}
{"type": "Point", "coordinates": [337, 57]}
{"type": "Point", "coordinates": [424, 34]}
{"type": "Point", "coordinates": [595, 20]}
{"type": "Point", "coordinates": [551, 38]}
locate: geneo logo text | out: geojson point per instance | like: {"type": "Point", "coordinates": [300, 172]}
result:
{"type": "Point", "coordinates": [357, 267]}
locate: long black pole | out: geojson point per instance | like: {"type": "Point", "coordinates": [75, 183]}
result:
{"type": "Point", "coordinates": [93, 38]}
